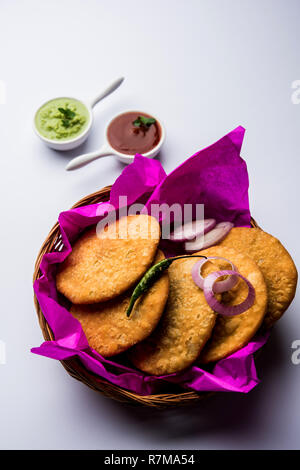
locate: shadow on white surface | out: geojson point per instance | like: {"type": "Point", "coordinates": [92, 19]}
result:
{"type": "Point", "coordinates": [232, 418]}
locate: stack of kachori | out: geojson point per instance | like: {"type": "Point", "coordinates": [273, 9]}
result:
{"type": "Point", "coordinates": [98, 276]}
{"type": "Point", "coordinates": [172, 324]}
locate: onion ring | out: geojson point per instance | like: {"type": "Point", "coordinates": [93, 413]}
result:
{"type": "Point", "coordinates": [213, 237]}
{"type": "Point", "coordinates": [218, 287]}
{"type": "Point", "coordinates": [227, 310]}
{"type": "Point", "coordinates": [191, 230]}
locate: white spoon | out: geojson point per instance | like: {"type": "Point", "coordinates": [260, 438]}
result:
{"type": "Point", "coordinates": [78, 140]}
{"type": "Point", "coordinates": [112, 87]}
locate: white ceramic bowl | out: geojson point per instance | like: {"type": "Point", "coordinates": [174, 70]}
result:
{"type": "Point", "coordinates": [70, 143]}
{"type": "Point", "coordinates": [79, 139]}
{"type": "Point", "coordinates": [107, 150]}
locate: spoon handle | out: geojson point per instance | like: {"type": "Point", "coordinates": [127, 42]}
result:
{"type": "Point", "coordinates": [86, 158]}
{"type": "Point", "coordinates": [112, 87]}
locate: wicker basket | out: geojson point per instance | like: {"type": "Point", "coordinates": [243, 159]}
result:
{"type": "Point", "coordinates": [73, 366]}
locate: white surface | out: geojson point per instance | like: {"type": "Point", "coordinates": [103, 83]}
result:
{"type": "Point", "coordinates": [204, 67]}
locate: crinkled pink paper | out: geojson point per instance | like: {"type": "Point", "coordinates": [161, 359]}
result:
{"type": "Point", "coordinates": [217, 177]}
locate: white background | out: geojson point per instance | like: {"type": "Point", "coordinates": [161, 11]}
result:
{"type": "Point", "coordinates": [204, 67]}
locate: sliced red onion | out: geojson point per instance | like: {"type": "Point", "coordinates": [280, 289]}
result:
{"type": "Point", "coordinates": [218, 287]}
{"type": "Point", "coordinates": [216, 235]}
{"type": "Point", "coordinates": [192, 230]}
{"type": "Point", "coordinates": [222, 309]}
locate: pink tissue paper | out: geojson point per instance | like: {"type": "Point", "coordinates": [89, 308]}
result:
{"type": "Point", "coordinates": [216, 177]}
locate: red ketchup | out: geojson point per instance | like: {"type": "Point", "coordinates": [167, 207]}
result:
{"type": "Point", "coordinates": [129, 138]}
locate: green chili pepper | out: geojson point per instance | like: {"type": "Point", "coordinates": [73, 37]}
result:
{"type": "Point", "coordinates": [151, 276]}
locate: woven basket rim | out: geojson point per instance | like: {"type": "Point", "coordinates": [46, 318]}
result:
{"type": "Point", "coordinates": [74, 367]}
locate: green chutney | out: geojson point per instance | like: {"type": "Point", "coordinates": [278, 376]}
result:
{"type": "Point", "coordinates": [57, 125]}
